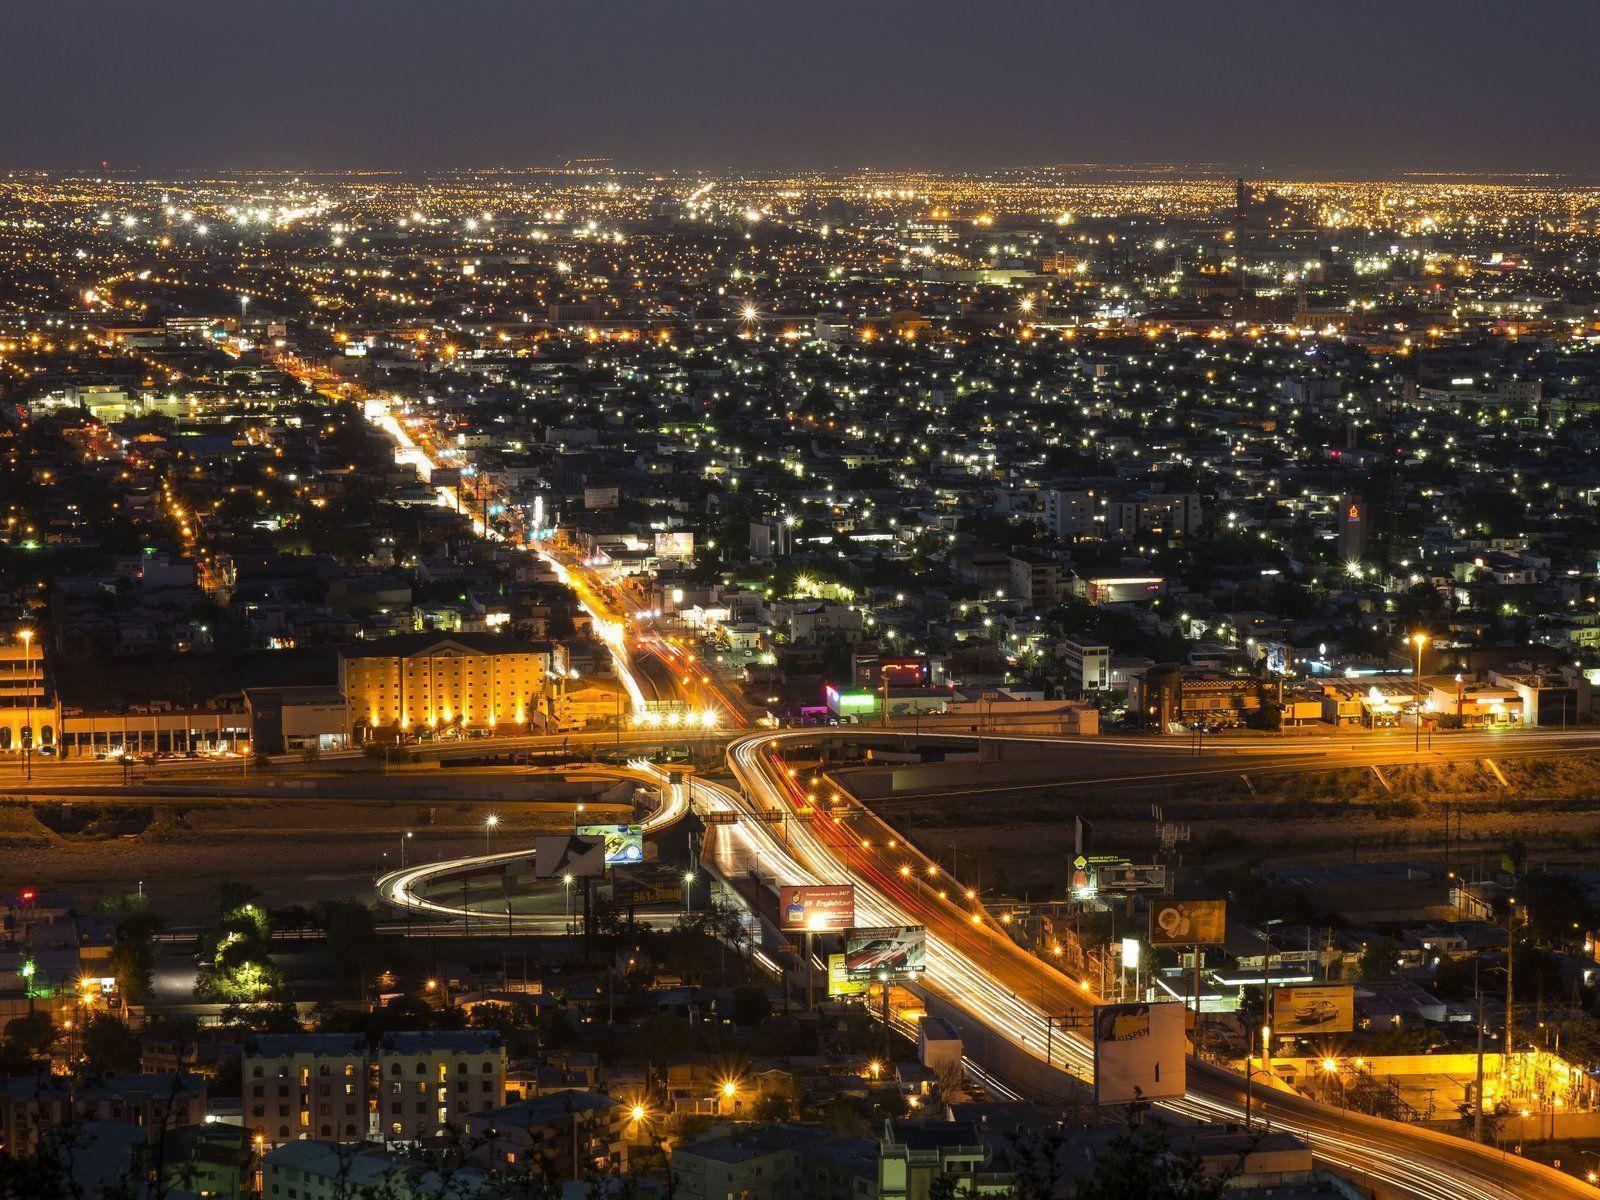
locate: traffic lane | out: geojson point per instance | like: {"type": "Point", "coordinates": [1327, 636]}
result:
{"type": "Point", "coordinates": [1370, 1153]}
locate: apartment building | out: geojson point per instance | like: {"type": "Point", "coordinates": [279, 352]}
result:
{"type": "Point", "coordinates": [338, 1087]}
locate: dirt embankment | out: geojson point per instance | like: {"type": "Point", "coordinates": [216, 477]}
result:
{"type": "Point", "coordinates": [1022, 839]}
{"type": "Point", "coordinates": [296, 852]}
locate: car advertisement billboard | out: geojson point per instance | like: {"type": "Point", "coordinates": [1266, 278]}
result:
{"type": "Point", "coordinates": [894, 951]}
{"type": "Point", "coordinates": [822, 908]}
{"type": "Point", "coordinates": [1188, 922]}
{"type": "Point", "coordinates": [840, 984]}
{"type": "Point", "coordinates": [1138, 1053]}
{"type": "Point", "coordinates": [624, 844]}
{"type": "Point", "coordinates": [1302, 1010]}
{"type": "Point", "coordinates": [678, 544]}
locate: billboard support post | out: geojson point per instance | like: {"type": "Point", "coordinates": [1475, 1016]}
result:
{"type": "Point", "coordinates": [811, 1002]}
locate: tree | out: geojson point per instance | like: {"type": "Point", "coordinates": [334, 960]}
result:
{"type": "Point", "coordinates": [229, 896]}
{"type": "Point", "coordinates": [26, 1049]}
{"type": "Point", "coordinates": [352, 940]}
{"type": "Point", "coordinates": [109, 1046]}
{"type": "Point", "coordinates": [1139, 1164]}
{"type": "Point", "coordinates": [1559, 906]}
{"type": "Point", "coordinates": [1378, 958]}
{"type": "Point", "coordinates": [133, 953]}
{"type": "Point", "coordinates": [504, 1017]}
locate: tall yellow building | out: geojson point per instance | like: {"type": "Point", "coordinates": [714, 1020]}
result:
{"type": "Point", "coordinates": [436, 681]}
{"type": "Point", "coordinates": [30, 713]}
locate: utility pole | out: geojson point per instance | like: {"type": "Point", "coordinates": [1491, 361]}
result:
{"type": "Point", "coordinates": [1477, 1095]}
{"type": "Point", "coordinates": [1511, 958]}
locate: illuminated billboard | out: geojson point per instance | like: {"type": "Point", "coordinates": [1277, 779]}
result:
{"type": "Point", "coordinates": [845, 703]}
{"type": "Point", "coordinates": [678, 544]}
{"type": "Point", "coordinates": [1301, 1010]}
{"type": "Point", "coordinates": [1188, 922]}
{"type": "Point", "coordinates": [840, 984]}
{"type": "Point", "coordinates": [889, 952]}
{"type": "Point", "coordinates": [624, 844]}
{"type": "Point", "coordinates": [828, 907]}
{"type": "Point", "coordinates": [1138, 1053]}
{"type": "Point", "coordinates": [1131, 877]}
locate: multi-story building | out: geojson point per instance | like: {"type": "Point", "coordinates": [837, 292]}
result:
{"type": "Point", "coordinates": [574, 1133]}
{"type": "Point", "coordinates": [335, 1086]}
{"type": "Point", "coordinates": [1088, 665]}
{"type": "Point", "coordinates": [1071, 514]}
{"type": "Point", "coordinates": [1161, 514]}
{"type": "Point", "coordinates": [30, 713]}
{"type": "Point", "coordinates": [440, 681]}
{"type": "Point", "coordinates": [29, 1106]}
{"type": "Point", "coordinates": [1035, 579]}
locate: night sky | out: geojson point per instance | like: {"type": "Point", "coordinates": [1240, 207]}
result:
{"type": "Point", "coordinates": [1345, 87]}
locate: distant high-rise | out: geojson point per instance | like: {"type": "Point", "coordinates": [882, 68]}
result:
{"type": "Point", "coordinates": [1352, 529]}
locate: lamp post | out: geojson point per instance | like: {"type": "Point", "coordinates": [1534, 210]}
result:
{"type": "Point", "coordinates": [1419, 640]}
{"type": "Point", "coordinates": [403, 840]}
{"type": "Point", "coordinates": [688, 882]}
{"type": "Point", "coordinates": [489, 824]}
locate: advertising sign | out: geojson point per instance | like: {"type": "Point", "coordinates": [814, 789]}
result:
{"type": "Point", "coordinates": [624, 844]}
{"type": "Point", "coordinates": [840, 984]}
{"type": "Point", "coordinates": [601, 497]}
{"type": "Point", "coordinates": [824, 908]}
{"type": "Point", "coordinates": [1138, 1052]}
{"type": "Point", "coordinates": [678, 544]}
{"type": "Point", "coordinates": [1127, 877]}
{"type": "Point", "coordinates": [1083, 882]}
{"type": "Point", "coordinates": [1188, 922]}
{"type": "Point", "coordinates": [893, 950]}
{"type": "Point", "coordinates": [1300, 1010]}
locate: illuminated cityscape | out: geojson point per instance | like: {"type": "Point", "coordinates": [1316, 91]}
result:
{"type": "Point", "coordinates": [927, 679]}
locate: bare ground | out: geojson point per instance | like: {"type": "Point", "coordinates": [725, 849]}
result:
{"type": "Point", "coordinates": [296, 852]}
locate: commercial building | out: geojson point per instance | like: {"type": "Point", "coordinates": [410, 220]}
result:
{"type": "Point", "coordinates": [1120, 589]}
{"type": "Point", "coordinates": [433, 681]}
{"type": "Point", "coordinates": [1087, 665]}
{"type": "Point", "coordinates": [1352, 529]}
{"type": "Point", "coordinates": [297, 718]}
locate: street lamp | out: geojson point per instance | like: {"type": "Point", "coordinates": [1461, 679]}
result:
{"type": "Point", "coordinates": [688, 881]}
{"type": "Point", "coordinates": [406, 838]}
{"type": "Point", "coordinates": [489, 824]}
{"type": "Point", "coordinates": [1419, 640]}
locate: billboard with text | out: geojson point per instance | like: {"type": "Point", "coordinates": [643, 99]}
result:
{"type": "Point", "coordinates": [1302, 1010]}
{"type": "Point", "coordinates": [678, 544]}
{"type": "Point", "coordinates": [892, 951]}
{"type": "Point", "coordinates": [1138, 1053]}
{"type": "Point", "coordinates": [840, 984]}
{"type": "Point", "coordinates": [822, 908]}
{"type": "Point", "coordinates": [1188, 922]}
